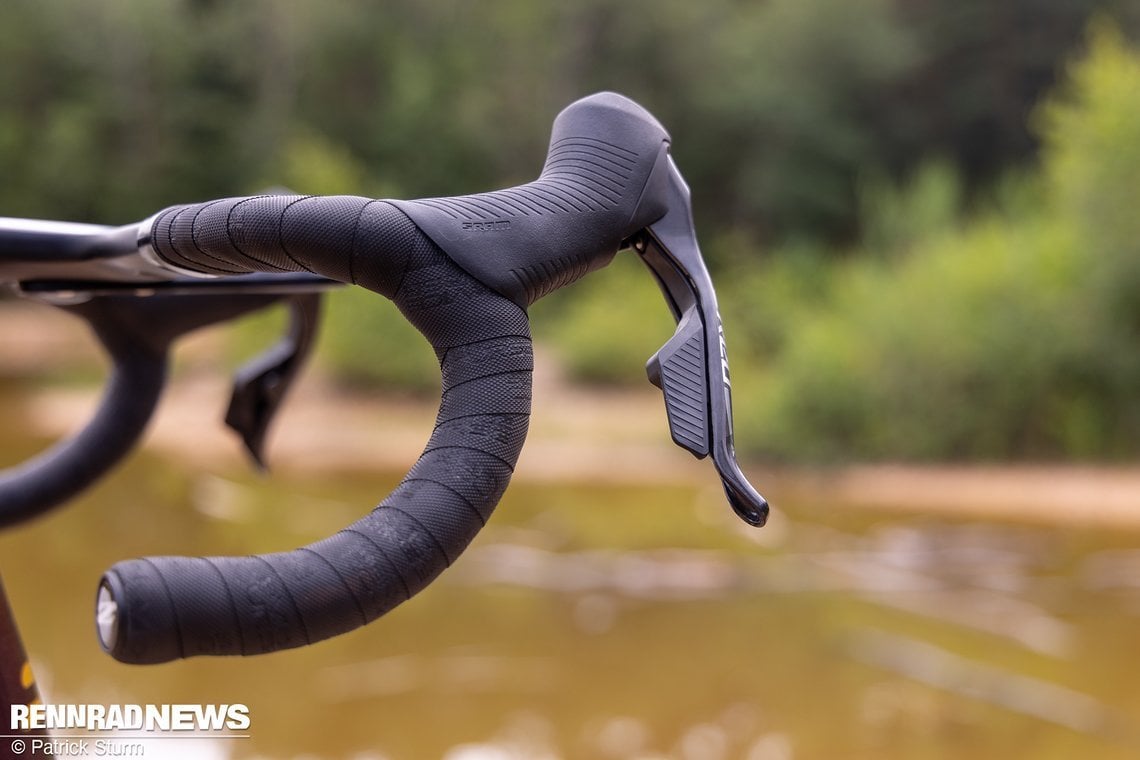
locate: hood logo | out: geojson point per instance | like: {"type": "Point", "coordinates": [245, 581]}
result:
{"type": "Point", "coordinates": [491, 225]}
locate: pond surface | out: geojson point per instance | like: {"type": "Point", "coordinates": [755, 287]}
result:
{"type": "Point", "coordinates": [620, 621]}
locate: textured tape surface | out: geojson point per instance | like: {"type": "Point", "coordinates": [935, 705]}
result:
{"type": "Point", "coordinates": [461, 270]}
{"type": "Point", "coordinates": [596, 188]}
{"type": "Point", "coordinates": [171, 607]}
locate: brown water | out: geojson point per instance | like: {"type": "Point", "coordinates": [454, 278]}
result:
{"type": "Point", "coordinates": [611, 621]}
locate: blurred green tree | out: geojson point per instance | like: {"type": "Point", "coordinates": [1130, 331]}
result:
{"type": "Point", "coordinates": [778, 108]}
{"type": "Point", "coordinates": [1012, 335]}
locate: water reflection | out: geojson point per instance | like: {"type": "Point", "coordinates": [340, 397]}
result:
{"type": "Point", "coordinates": [623, 621]}
{"type": "Point", "coordinates": [445, 673]}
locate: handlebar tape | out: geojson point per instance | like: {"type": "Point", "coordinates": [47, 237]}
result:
{"type": "Point", "coordinates": [461, 270]}
{"type": "Point", "coordinates": [137, 335]}
{"type": "Point", "coordinates": [34, 487]}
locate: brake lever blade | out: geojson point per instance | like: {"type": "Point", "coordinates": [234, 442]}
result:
{"type": "Point", "coordinates": [691, 369]}
{"type": "Point", "coordinates": [260, 386]}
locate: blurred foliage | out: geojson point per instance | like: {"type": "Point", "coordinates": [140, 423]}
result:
{"type": "Point", "coordinates": [897, 217]}
{"type": "Point", "coordinates": [368, 343]}
{"type": "Point", "coordinates": [606, 327]}
{"type": "Point", "coordinates": [1011, 334]}
{"type": "Point", "coordinates": [965, 349]}
{"type": "Point", "coordinates": [778, 108]}
{"type": "Point", "coordinates": [944, 273]}
{"type": "Point", "coordinates": [1093, 132]}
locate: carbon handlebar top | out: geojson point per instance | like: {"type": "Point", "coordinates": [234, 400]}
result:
{"type": "Point", "coordinates": [462, 270]}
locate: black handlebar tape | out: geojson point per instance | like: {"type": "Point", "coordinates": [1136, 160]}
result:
{"type": "Point", "coordinates": [170, 607]}
{"type": "Point", "coordinates": [68, 468]}
{"type": "Point", "coordinates": [137, 334]}
{"type": "Point", "coordinates": [605, 178]}
{"type": "Point", "coordinates": [462, 271]}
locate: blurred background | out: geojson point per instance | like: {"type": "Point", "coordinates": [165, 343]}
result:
{"type": "Point", "coordinates": [919, 215]}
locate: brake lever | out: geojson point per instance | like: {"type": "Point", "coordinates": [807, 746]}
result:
{"type": "Point", "coordinates": [261, 384]}
{"type": "Point", "coordinates": [693, 377]}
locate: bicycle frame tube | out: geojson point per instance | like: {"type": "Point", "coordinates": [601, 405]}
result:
{"type": "Point", "coordinates": [17, 685]}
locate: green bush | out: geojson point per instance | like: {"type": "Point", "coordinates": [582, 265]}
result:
{"type": "Point", "coordinates": [367, 343]}
{"type": "Point", "coordinates": [605, 327]}
{"type": "Point", "coordinates": [958, 352]}
{"type": "Point", "coordinates": [894, 218]}
{"type": "Point", "coordinates": [1092, 137]}
{"type": "Point", "coordinates": [1012, 335]}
